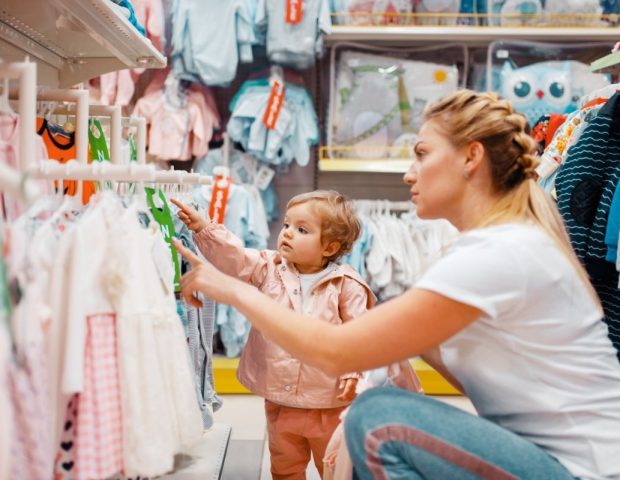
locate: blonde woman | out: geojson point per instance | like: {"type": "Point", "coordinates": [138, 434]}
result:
{"type": "Point", "coordinates": [508, 314]}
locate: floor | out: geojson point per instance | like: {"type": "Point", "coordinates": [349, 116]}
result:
{"type": "Point", "coordinates": [247, 457]}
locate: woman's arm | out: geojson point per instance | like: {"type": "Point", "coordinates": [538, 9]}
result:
{"type": "Point", "coordinates": [404, 327]}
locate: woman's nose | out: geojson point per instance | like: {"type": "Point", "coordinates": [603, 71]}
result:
{"type": "Point", "coordinates": [411, 176]}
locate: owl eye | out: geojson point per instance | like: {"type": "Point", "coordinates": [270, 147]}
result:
{"type": "Point", "coordinates": [556, 89]}
{"type": "Point", "coordinates": [522, 89]}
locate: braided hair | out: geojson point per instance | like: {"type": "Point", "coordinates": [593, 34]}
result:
{"type": "Point", "coordinates": [466, 116]}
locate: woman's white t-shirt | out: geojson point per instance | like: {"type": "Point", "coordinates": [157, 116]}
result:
{"type": "Point", "coordinates": [538, 361]}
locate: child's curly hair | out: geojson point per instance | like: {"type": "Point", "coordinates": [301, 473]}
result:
{"type": "Point", "coordinates": [339, 223]}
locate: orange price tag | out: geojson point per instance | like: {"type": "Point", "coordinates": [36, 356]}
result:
{"type": "Point", "coordinates": [219, 198]}
{"type": "Point", "coordinates": [274, 105]}
{"type": "Point", "coordinates": [294, 11]}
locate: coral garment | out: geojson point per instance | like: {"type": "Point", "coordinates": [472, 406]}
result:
{"type": "Point", "coordinates": [63, 149]}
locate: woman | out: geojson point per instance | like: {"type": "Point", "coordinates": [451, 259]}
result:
{"type": "Point", "coordinates": [511, 310]}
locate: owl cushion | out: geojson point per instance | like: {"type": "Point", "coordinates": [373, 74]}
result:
{"type": "Point", "coordinates": [547, 87]}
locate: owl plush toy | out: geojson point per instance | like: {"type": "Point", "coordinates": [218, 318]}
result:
{"type": "Point", "coordinates": [538, 89]}
{"type": "Point", "coordinates": [548, 87]}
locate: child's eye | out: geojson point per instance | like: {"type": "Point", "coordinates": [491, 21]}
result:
{"type": "Point", "coordinates": [285, 225]}
{"type": "Point", "coordinates": [302, 230]}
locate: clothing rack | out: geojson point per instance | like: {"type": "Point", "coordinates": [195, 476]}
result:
{"type": "Point", "coordinates": [104, 171]}
{"type": "Point", "coordinates": [113, 112]}
{"type": "Point", "coordinates": [79, 169]}
{"type": "Point", "coordinates": [140, 124]}
{"type": "Point", "coordinates": [11, 180]}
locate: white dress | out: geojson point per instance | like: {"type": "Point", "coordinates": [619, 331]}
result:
{"type": "Point", "coordinates": [160, 413]}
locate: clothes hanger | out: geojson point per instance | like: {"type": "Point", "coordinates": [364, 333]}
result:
{"type": "Point", "coordinates": [5, 105]}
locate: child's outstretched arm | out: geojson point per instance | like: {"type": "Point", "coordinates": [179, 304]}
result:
{"type": "Point", "coordinates": [222, 248]}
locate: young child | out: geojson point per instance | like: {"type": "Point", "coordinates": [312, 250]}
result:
{"type": "Point", "coordinates": [302, 403]}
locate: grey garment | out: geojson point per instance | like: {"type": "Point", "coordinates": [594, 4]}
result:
{"type": "Point", "coordinates": [199, 324]}
{"type": "Point", "coordinates": [207, 327]}
{"type": "Point", "coordinates": [182, 233]}
{"type": "Point", "coordinates": [199, 332]}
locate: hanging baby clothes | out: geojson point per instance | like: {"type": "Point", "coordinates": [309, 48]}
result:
{"type": "Point", "coordinates": [160, 412]}
{"type": "Point", "coordinates": [116, 88]}
{"type": "Point", "coordinates": [61, 147]}
{"type": "Point", "coordinates": [9, 154]}
{"type": "Point", "coordinates": [27, 386]}
{"type": "Point", "coordinates": [99, 404]}
{"type": "Point", "coordinates": [565, 137]}
{"type": "Point", "coordinates": [150, 13]}
{"type": "Point", "coordinates": [177, 131]}
{"type": "Point", "coordinates": [244, 170]}
{"type": "Point", "coordinates": [293, 38]}
{"type": "Point", "coordinates": [612, 232]}
{"type": "Point", "coordinates": [295, 129]}
{"type": "Point", "coordinates": [199, 324]}
{"type": "Point", "coordinates": [6, 419]}
{"type": "Point", "coordinates": [393, 251]}
{"type": "Point", "coordinates": [585, 186]}
{"type": "Point", "coordinates": [209, 38]}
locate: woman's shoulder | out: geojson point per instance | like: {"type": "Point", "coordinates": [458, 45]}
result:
{"type": "Point", "coordinates": [509, 235]}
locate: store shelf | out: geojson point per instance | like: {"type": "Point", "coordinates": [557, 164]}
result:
{"type": "Point", "coordinates": [468, 34]}
{"type": "Point", "coordinates": [381, 159]}
{"type": "Point", "coordinates": [204, 459]}
{"type": "Point", "coordinates": [72, 40]}
{"type": "Point", "coordinates": [386, 165]}
{"type": "Point", "coordinates": [225, 375]}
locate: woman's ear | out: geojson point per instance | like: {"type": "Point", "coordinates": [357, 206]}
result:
{"type": "Point", "coordinates": [474, 155]}
{"type": "Point", "coordinates": [331, 249]}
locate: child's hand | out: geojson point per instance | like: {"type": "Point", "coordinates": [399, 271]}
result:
{"type": "Point", "coordinates": [348, 389]}
{"type": "Point", "coordinates": [190, 217]}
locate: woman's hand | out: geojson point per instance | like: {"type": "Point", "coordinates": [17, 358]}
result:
{"type": "Point", "coordinates": [190, 217]}
{"type": "Point", "coordinates": [203, 278]}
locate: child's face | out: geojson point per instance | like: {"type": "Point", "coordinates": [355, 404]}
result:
{"type": "Point", "coordinates": [300, 239]}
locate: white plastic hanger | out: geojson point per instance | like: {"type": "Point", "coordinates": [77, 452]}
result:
{"type": "Point", "coordinates": [5, 106]}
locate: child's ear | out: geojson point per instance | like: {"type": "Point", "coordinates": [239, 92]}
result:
{"type": "Point", "coordinates": [331, 249]}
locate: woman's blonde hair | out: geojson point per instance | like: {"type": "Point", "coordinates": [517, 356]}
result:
{"type": "Point", "coordinates": [339, 223]}
{"type": "Point", "coordinates": [467, 116]}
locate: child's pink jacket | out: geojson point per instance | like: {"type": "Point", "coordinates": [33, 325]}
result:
{"type": "Point", "coordinates": [266, 369]}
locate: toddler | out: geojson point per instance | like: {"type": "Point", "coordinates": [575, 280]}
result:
{"type": "Point", "coordinates": [302, 403]}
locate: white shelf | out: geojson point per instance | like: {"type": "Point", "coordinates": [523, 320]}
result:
{"type": "Point", "coordinates": [468, 34]}
{"type": "Point", "coordinates": [72, 40]}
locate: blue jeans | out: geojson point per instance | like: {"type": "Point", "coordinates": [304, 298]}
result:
{"type": "Point", "coordinates": [395, 434]}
